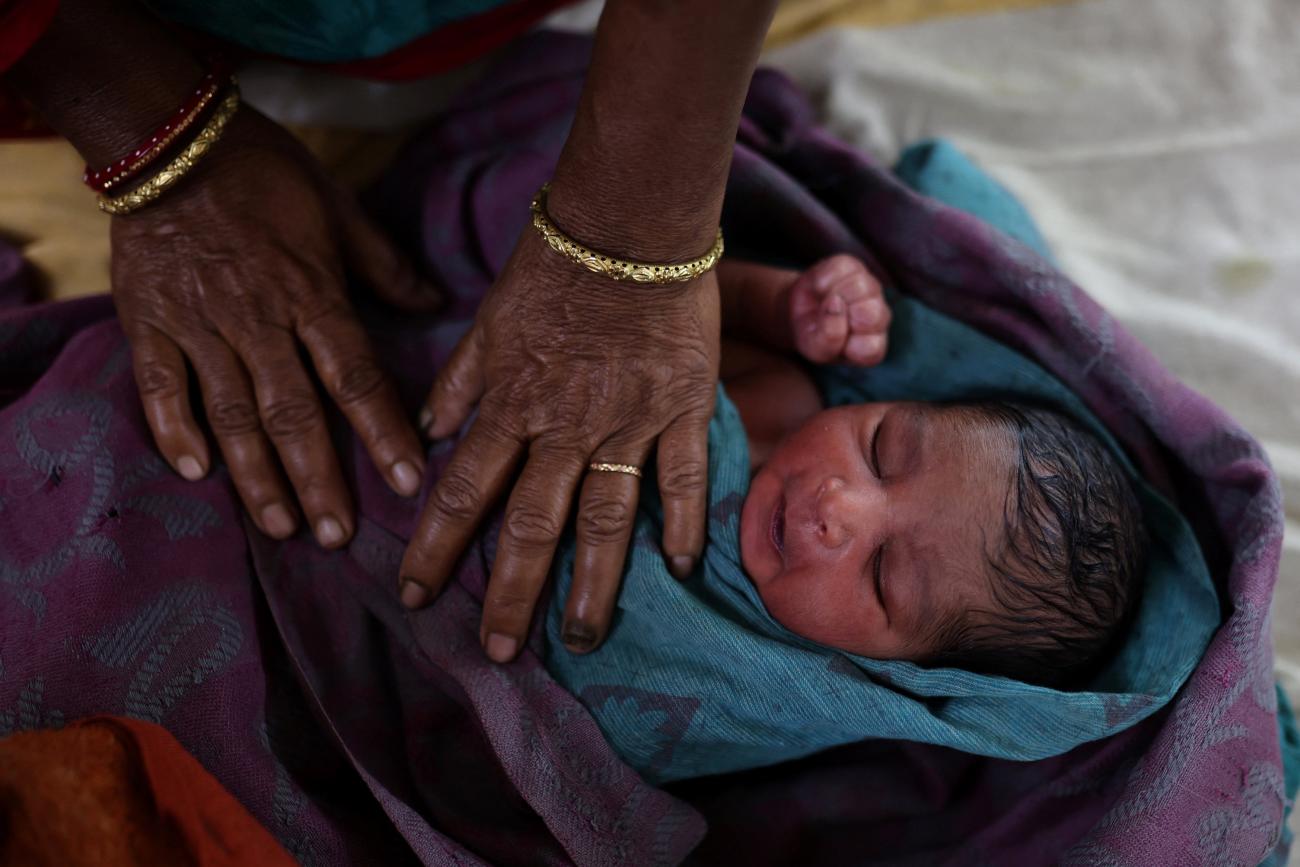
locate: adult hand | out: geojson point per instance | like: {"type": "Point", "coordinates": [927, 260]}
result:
{"type": "Point", "coordinates": [568, 368]}
{"type": "Point", "coordinates": [232, 274]}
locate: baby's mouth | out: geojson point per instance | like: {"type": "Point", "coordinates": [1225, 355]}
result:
{"type": "Point", "coordinates": [778, 528]}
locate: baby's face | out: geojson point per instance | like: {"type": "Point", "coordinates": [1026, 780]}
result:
{"type": "Point", "coordinates": [872, 524]}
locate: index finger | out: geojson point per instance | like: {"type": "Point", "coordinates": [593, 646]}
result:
{"type": "Point", "coordinates": [535, 517]}
{"type": "Point", "coordinates": [475, 478]}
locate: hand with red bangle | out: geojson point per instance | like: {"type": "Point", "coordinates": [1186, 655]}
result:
{"type": "Point", "coordinates": [230, 274]}
{"type": "Point", "coordinates": [182, 120]}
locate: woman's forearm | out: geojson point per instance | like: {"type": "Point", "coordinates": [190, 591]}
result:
{"type": "Point", "coordinates": [105, 75]}
{"type": "Point", "coordinates": [643, 172]}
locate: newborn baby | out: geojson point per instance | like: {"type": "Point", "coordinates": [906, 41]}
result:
{"type": "Point", "coordinates": [873, 568]}
{"type": "Point", "coordinates": [992, 537]}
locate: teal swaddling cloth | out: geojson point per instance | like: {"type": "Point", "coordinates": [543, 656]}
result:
{"type": "Point", "coordinates": [696, 678]}
{"type": "Point", "coordinates": [320, 31]}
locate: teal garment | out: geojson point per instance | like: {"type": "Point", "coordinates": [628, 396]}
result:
{"type": "Point", "coordinates": [937, 169]}
{"type": "Point", "coordinates": [320, 31]}
{"type": "Point", "coordinates": [696, 678]}
{"type": "Point", "coordinates": [1289, 737]}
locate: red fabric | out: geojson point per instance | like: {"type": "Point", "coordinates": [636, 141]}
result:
{"type": "Point", "coordinates": [111, 790]}
{"type": "Point", "coordinates": [21, 23]}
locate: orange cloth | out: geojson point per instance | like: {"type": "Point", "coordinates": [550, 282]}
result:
{"type": "Point", "coordinates": [116, 791]}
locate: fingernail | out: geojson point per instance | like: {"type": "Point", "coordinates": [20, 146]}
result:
{"type": "Point", "coordinates": [407, 478]}
{"type": "Point", "coordinates": [681, 567]}
{"type": "Point", "coordinates": [277, 520]}
{"type": "Point", "coordinates": [835, 305]}
{"type": "Point", "coordinates": [329, 531]}
{"type": "Point", "coordinates": [414, 594]}
{"type": "Point", "coordinates": [425, 419]}
{"type": "Point", "coordinates": [501, 648]}
{"type": "Point", "coordinates": [864, 345]}
{"type": "Point", "coordinates": [189, 467]}
{"type": "Point", "coordinates": [579, 637]}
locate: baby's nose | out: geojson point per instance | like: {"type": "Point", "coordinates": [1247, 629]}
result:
{"type": "Point", "coordinates": [842, 512]}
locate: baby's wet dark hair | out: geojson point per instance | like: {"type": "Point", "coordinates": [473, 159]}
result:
{"type": "Point", "coordinates": [1067, 571]}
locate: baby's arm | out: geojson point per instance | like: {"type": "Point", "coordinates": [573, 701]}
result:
{"type": "Point", "coordinates": [832, 313]}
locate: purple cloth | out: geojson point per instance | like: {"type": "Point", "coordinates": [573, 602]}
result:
{"type": "Point", "coordinates": [359, 734]}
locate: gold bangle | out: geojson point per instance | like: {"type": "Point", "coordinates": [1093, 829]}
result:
{"type": "Point", "coordinates": [168, 175]}
{"type": "Point", "coordinates": [619, 269]}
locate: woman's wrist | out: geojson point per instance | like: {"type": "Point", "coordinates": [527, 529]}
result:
{"type": "Point", "coordinates": [634, 214]}
{"type": "Point", "coordinates": [104, 75]}
{"type": "Point", "coordinates": [644, 169]}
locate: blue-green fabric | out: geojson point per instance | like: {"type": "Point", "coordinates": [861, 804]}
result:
{"type": "Point", "coordinates": [320, 31]}
{"type": "Point", "coordinates": [938, 169]}
{"type": "Point", "coordinates": [696, 678]}
{"type": "Point", "coordinates": [1289, 737]}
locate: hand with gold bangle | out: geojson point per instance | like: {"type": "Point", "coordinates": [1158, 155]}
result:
{"type": "Point", "coordinates": [579, 370]}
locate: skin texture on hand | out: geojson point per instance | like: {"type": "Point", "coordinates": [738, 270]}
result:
{"type": "Point", "coordinates": [568, 368]}
{"type": "Point", "coordinates": [233, 274]}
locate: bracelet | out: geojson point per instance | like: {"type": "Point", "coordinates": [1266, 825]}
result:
{"type": "Point", "coordinates": [162, 138]}
{"type": "Point", "coordinates": [169, 174]}
{"type": "Point", "coordinates": [619, 269]}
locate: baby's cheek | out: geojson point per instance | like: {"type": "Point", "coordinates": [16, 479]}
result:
{"type": "Point", "coordinates": [816, 607]}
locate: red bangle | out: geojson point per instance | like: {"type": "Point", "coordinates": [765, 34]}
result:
{"type": "Point", "coordinates": [162, 138]}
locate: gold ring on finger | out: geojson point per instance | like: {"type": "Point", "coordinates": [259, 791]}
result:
{"type": "Point", "coordinates": [615, 468]}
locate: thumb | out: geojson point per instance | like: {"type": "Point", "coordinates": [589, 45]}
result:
{"type": "Point", "coordinates": [375, 259]}
{"type": "Point", "coordinates": [457, 389]}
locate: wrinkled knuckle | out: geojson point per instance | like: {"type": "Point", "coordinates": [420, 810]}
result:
{"type": "Point", "coordinates": [683, 479]}
{"type": "Point", "coordinates": [321, 317]}
{"type": "Point", "coordinates": [158, 380]}
{"type": "Point", "coordinates": [510, 602]}
{"type": "Point", "coordinates": [453, 385]}
{"type": "Point", "coordinates": [696, 389]}
{"type": "Point", "coordinates": [456, 499]}
{"type": "Point", "coordinates": [358, 383]}
{"type": "Point", "coordinates": [233, 417]}
{"type": "Point", "coordinates": [290, 417]}
{"type": "Point", "coordinates": [604, 520]}
{"type": "Point", "coordinates": [531, 529]}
